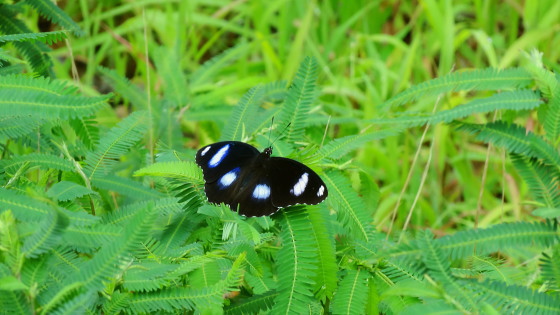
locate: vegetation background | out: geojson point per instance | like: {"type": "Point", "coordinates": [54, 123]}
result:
{"type": "Point", "coordinates": [435, 125]}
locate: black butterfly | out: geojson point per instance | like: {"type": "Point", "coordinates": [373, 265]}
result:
{"type": "Point", "coordinates": [238, 175]}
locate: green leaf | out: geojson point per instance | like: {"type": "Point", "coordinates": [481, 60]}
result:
{"type": "Point", "coordinates": [116, 143]}
{"type": "Point", "coordinates": [242, 118]}
{"type": "Point", "coordinates": [514, 138]}
{"type": "Point", "coordinates": [124, 88]}
{"type": "Point", "coordinates": [16, 126]}
{"type": "Point", "coordinates": [547, 213]}
{"type": "Point", "coordinates": [45, 37]}
{"type": "Point", "coordinates": [351, 296]}
{"type": "Point", "coordinates": [23, 207]}
{"type": "Point", "coordinates": [42, 160]}
{"type": "Point", "coordinates": [38, 98]}
{"type": "Point", "coordinates": [301, 95]}
{"type": "Point", "coordinates": [11, 283]}
{"type": "Point", "coordinates": [108, 261]}
{"type": "Point", "coordinates": [542, 179]}
{"type": "Point", "coordinates": [53, 13]}
{"type": "Point", "coordinates": [477, 80]}
{"type": "Point", "coordinates": [34, 52]}
{"type": "Point", "coordinates": [125, 186]}
{"type": "Point", "coordinates": [187, 171]}
{"type": "Point", "coordinates": [514, 100]}
{"type": "Point", "coordinates": [351, 209]}
{"type": "Point", "coordinates": [514, 297]}
{"type": "Point", "coordinates": [325, 282]}
{"type": "Point", "coordinates": [499, 237]}
{"type": "Point", "coordinates": [64, 190]}
{"type": "Point", "coordinates": [296, 263]}
{"type": "Point", "coordinates": [337, 148]}
{"type": "Point", "coordinates": [46, 236]}
{"type": "Point", "coordinates": [550, 268]}
{"type": "Point", "coordinates": [439, 268]}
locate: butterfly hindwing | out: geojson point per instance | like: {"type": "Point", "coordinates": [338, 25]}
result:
{"type": "Point", "coordinates": [295, 183]}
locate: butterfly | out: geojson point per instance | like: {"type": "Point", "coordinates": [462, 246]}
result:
{"type": "Point", "coordinates": [254, 183]}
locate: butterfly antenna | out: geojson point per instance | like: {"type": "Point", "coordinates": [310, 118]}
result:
{"type": "Point", "coordinates": [326, 129]}
{"type": "Point", "coordinates": [288, 125]}
{"type": "Point", "coordinates": [269, 131]}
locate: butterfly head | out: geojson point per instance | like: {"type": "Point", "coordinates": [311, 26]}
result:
{"type": "Point", "coordinates": [268, 151]}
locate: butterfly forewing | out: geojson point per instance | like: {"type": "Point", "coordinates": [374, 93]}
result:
{"type": "Point", "coordinates": [219, 158]}
{"type": "Point", "coordinates": [253, 183]}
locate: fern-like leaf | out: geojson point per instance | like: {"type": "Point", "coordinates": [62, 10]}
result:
{"type": "Point", "coordinates": [125, 186]}
{"type": "Point", "coordinates": [45, 37]}
{"type": "Point", "coordinates": [542, 179]}
{"type": "Point", "coordinates": [351, 296]}
{"type": "Point", "coordinates": [513, 138]}
{"type": "Point", "coordinates": [174, 84]}
{"type": "Point", "coordinates": [12, 301]}
{"type": "Point", "coordinates": [26, 96]}
{"type": "Point", "coordinates": [115, 143]}
{"type": "Point", "coordinates": [499, 237]}
{"type": "Point", "coordinates": [23, 208]}
{"type": "Point", "coordinates": [187, 171]}
{"type": "Point", "coordinates": [550, 268]}
{"type": "Point", "coordinates": [325, 282]}
{"type": "Point", "coordinates": [351, 209]}
{"type": "Point", "coordinates": [439, 268]}
{"type": "Point", "coordinates": [51, 12]}
{"type": "Point", "coordinates": [42, 160]}
{"type": "Point", "coordinates": [514, 100]}
{"type": "Point", "coordinates": [243, 115]}
{"type": "Point", "coordinates": [108, 261]}
{"type": "Point", "coordinates": [123, 87]}
{"type": "Point", "coordinates": [16, 126]}
{"type": "Point", "coordinates": [147, 276]}
{"type": "Point", "coordinates": [209, 297]}
{"type": "Point", "coordinates": [207, 71]}
{"type": "Point", "coordinates": [515, 299]}
{"type": "Point", "coordinates": [301, 95]}
{"type": "Point", "coordinates": [87, 131]}
{"type": "Point", "coordinates": [34, 52]}
{"type": "Point", "coordinates": [46, 236]}
{"type": "Point", "coordinates": [296, 263]}
{"type": "Point", "coordinates": [477, 80]}
{"type": "Point", "coordinates": [337, 148]}
{"type": "Point", "coordinates": [253, 305]}
{"type": "Point", "coordinates": [91, 237]}
{"type": "Point", "coordinates": [75, 304]}
{"type": "Point", "coordinates": [119, 301]}
{"type": "Point", "coordinates": [121, 216]}
{"type": "Point", "coordinates": [549, 84]}
{"type": "Point", "coordinates": [64, 190]}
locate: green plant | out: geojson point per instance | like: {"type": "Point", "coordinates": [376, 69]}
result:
{"type": "Point", "coordinates": [103, 214]}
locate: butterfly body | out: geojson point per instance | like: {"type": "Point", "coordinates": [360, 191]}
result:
{"type": "Point", "coordinates": [255, 183]}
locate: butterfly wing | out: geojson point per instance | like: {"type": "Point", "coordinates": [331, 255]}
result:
{"type": "Point", "coordinates": [233, 176]}
{"type": "Point", "coordinates": [245, 189]}
{"type": "Point", "coordinates": [294, 183]}
{"type": "Point", "coordinates": [219, 158]}
{"type": "Point", "coordinates": [254, 183]}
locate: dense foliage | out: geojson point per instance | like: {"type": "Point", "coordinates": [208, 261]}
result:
{"type": "Point", "coordinates": [443, 194]}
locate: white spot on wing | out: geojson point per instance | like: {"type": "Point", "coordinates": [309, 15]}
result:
{"type": "Point", "coordinates": [219, 156]}
{"type": "Point", "coordinates": [261, 191]}
{"type": "Point", "coordinates": [299, 187]}
{"type": "Point", "coordinates": [205, 150]}
{"type": "Point", "coordinates": [229, 178]}
{"type": "Point", "coordinates": [321, 191]}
